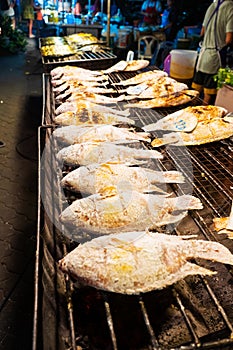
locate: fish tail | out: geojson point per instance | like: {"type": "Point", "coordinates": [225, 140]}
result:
{"type": "Point", "coordinates": [167, 218]}
{"type": "Point", "coordinates": [166, 177]}
{"type": "Point", "coordinates": [148, 154]}
{"type": "Point", "coordinates": [210, 251]}
{"type": "Point", "coordinates": [186, 202]}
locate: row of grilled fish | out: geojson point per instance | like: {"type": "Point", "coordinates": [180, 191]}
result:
{"type": "Point", "coordinates": [123, 200]}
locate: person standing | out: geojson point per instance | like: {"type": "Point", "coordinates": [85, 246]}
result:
{"type": "Point", "coordinates": [7, 9]}
{"type": "Point", "coordinates": [77, 9]}
{"type": "Point", "coordinates": [169, 21]}
{"type": "Point", "coordinates": [217, 32]}
{"type": "Point", "coordinates": [17, 9]}
{"type": "Point", "coordinates": [151, 10]}
{"type": "Point", "coordinates": [28, 14]}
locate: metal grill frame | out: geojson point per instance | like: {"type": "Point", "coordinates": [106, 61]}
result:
{"type": "Point", "coordinates": [225, 342]}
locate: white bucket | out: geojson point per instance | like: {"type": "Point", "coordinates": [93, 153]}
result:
{"type": "Point", "coordinates": [182, 64]}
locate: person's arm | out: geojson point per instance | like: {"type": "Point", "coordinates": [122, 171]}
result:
{"type": "Point", "coordinates": [229, 38]}
{"type": "Point", "coordinates": [202, 31]}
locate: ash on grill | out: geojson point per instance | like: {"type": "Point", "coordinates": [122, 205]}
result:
{"type": "Point", "coordinates": [195, 313]}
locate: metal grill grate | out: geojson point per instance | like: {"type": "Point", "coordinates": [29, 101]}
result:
{"type": "Point", "coordinates": [195, 313]}
{"type": "Point", "coordinates": [88, 59]}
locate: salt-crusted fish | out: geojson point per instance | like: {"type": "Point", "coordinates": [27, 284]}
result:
{"type": "Point", "coordinates": [79, 106]}
{"type": "Point", "coordinates": [163, 86]}
{"type": "Point", "coordinates": [100, 133]}
{"type": "Point", "coordinates": [119, 66]}
{"type": "Point", "coordinates": [72, 71]}
{"type": "Point", "coordinates": [89, 117]}
{"type": "Point", "coordinates": [177, 121]}
{"type": "Point", "coordinates": [101, 152]}
{"type": "Point", "coordinates": [205, 132]}
{"type": "Point", "coordinates": [62, 84]}
{"type": "Point", "coordinates": [93, 178]}
{"type": "Point", "coordinates": [114, 210]}
{"type": "Point", "coordinates": [134, 65]}
{"type": "Point", "coordinates": [139, 262]}
{"type": "Point", "coordinates": [186, 119]}
{"type": "Point", "coordinates": [96, 98]}
{"type": "Point", "coordinates": [71, 93]}
{"type": "Point", "coordinates": [127, 66]}
{"type": "Point", "coordinates": [176, 99]}
{"type": "Point", "coordinates": [142, 77]}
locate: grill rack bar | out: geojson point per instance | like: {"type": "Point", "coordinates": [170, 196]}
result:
{"type": "Point", "coordinates": [110, 322]}
{"type": "Point", "coordinates": [187, 320]}
{"type": "Point", "coordinates": [154, 341]}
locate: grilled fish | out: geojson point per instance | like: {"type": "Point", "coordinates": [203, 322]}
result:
{"type": "Point", "coordinates": [205, 132]}
{"type": "Point", "coordinates": [91, 179]}
{"type": "Point", "coordinates": [127, 66]}
{"type": "Point", "coordinates": [81, 77]}
{"type": "Point", "coordinates": [89, 117]}
{"type": "Point", "coordinates": [96, 98]}
{"type": "Point", "coordinates": [63, 82]}
{"type": "Point", "coordinates": [101, 133]}
{"type": "Point", "coordinates": [163, 86]}
{"type": "Point", "coordinates": [101, 152]}
{"type": "Point", "coordinates": [60, 85]}
{"type": "Point", "coordinates": [79, 106]}
{"type": "Point", "coordinates": [175, 99]}
{"type": "Point", "coordinates": [187, 118]}
{"type": "Point", "coordinates": [112, 211]}
{"type": "Point", "coordinates": [142, 77]}
{"type": "Point", "coordinates": [136, 65]}
{"type": "Point", "coordinates": [139, 262]}
{"type": "Point", "coordinates": [72, 93]}
{"type": "Point", "coordinates": [72, 71]}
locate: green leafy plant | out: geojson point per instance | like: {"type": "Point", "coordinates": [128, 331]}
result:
{"type": "Point", "coordinates": [12, 40]}
{"type": "Point", "coordinates": [224, 76]}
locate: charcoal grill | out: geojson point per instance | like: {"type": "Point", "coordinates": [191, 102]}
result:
{"type": "Point", "coordinates": [87, 59]}
{"type": "Point", "coordinates": [195, 313]}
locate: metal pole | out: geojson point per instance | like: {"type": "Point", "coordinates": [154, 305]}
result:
{"type": "Point", "coordinates": [102, 10]}
{"type": "Point", "coordinates": [108, 22]}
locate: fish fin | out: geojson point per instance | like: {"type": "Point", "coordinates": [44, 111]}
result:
{"type": "Point", "coordinates": [123, 141]}
{"type": "Point", "coordinates": [128, 162]}
{"type": "Point", "coordinates": [153, 189]}
{"type": "Point", "coordinates": [229, 233]}
{"type": "Point", "coordinates": [191, 269]}
{"type": "Point", "coordinates": [228, 119]}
